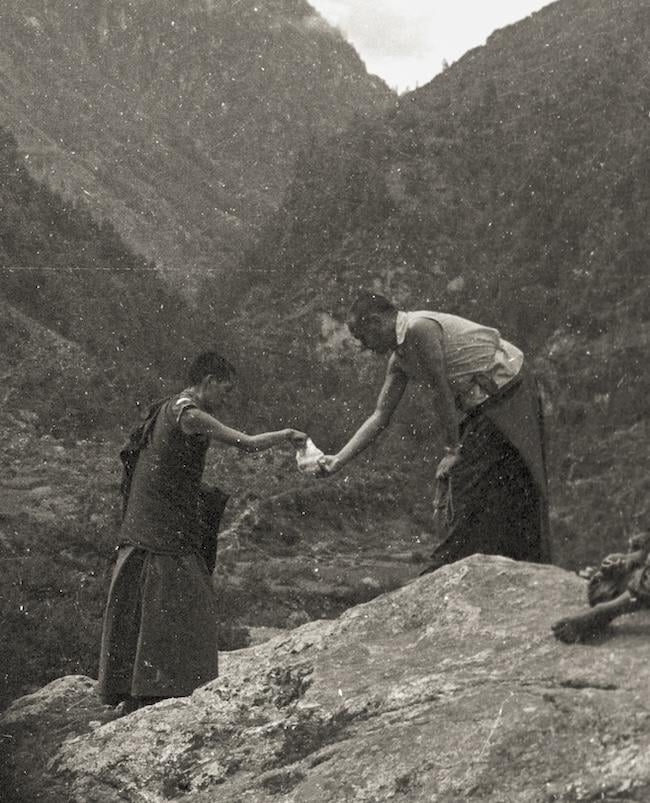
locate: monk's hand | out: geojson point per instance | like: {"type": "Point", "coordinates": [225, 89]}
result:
{"type": "Point", "coordinates": [328, 464]}
{"type": "Point", "coordinates": [296, 437]}
{"type": "Point", "coordinates": [451, 458]}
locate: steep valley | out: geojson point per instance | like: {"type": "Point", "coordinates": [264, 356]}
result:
{"type": "Point", "coordinates": [514, 188]}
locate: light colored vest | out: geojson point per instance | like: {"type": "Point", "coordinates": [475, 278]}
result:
{"type": "Point", "coordinates": [478, 360]}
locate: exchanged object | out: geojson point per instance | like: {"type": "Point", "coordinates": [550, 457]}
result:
{"type": "Point", "coordinates": [307, 458]}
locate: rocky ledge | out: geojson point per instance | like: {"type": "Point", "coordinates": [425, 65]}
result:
{"type": "Point", "coordinates": [450, 689]}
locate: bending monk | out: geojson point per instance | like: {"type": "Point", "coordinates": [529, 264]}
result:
{"type": "Point", "coordinates": [493, 471]}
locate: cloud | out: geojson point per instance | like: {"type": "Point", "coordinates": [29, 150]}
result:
{"type": "Point", "coordinates": [406, 41]}
{"type": "Point", "coordinates": [393, 43]}
{"type": "Point", "coordinates": [382, 26]}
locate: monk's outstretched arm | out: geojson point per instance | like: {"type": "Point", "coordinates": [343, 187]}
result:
{"type": "Point", "coordinates": [580, 627]}
{"type": "Point", "coordinates": [198, 422]}
{"type": "Point", "coordinates": [389, 397]}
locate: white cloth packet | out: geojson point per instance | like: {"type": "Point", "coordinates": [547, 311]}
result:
{"type": "Point", "coordinates": [307, 457]}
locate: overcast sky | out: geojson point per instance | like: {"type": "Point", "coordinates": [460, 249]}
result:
{"type": "Point", "coordinates": [406, 41]}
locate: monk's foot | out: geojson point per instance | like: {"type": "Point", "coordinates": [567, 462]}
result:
{"type": "Point", "coordinates": [575, 629]}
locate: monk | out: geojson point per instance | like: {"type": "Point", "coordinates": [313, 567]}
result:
{"type": "Point", "coordinates": [620, 586]}
{"type": "Point", "coordinates": [159, 633]}
{"type": "Point", "coordinates": [491, 481]}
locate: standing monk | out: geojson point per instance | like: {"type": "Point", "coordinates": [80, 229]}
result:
{"type": "Point", "coordinates": [159, 636]}
{"type": "Point", "coordinates": [493, 470]}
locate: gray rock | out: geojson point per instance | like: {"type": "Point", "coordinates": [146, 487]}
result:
{"type": "Point", "coordinates": [449, 689]}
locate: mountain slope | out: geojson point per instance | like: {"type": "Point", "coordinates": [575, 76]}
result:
{"type": "Point", "coordinates": [180, 124]}
{"type": "Point", "coordinates": [84, 322]}
{"type": "Point", "coordinates": [523, 166]}
{"type": "Point", "coordinates": [513, 189]}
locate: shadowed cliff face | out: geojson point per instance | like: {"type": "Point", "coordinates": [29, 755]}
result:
{"type": "Point", "coordinates": [448, 689]}
{"type": "Point", "coordinates": [178, 122]}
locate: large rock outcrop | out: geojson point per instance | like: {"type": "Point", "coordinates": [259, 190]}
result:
{"type": "Point", "coordinates": [451, 688]}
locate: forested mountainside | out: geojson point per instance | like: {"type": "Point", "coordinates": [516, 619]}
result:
{"type": "Point", "coordinates": [522, 170]}
{"type": "Point", "coordinates": [88, 326]}
{"type": "Point", "coordinates": [513, 189]}
{"type": "Point", "coordinates": [179, 123]}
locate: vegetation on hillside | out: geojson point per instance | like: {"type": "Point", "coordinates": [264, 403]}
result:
{"type": "Point", "coordinates": [180, 123]}
{"type": "Point", "coordinates": [77, 279]}
{"type": "Point", "coordinates": [522, 170]}
{"type": "Point", "coordinates": [513, 189]}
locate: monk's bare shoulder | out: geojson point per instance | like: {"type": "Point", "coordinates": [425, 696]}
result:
{"type": "Point", "coordinates": [424, 340]}
{"type": "Point", "coordinates": [425, 330]}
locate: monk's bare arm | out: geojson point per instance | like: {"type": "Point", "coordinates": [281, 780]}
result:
{"type": "Point", "coordinates": [389, 397]}
{"type": "Point", "coordinates": [425, 338]}
{"type": "Point", "coordinates": [198, 422]}
{"type": "Point", "coordinates": [595, 620]}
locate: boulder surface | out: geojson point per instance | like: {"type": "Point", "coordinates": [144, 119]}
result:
{"type": "Point", "coordinates": [451, 688]}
